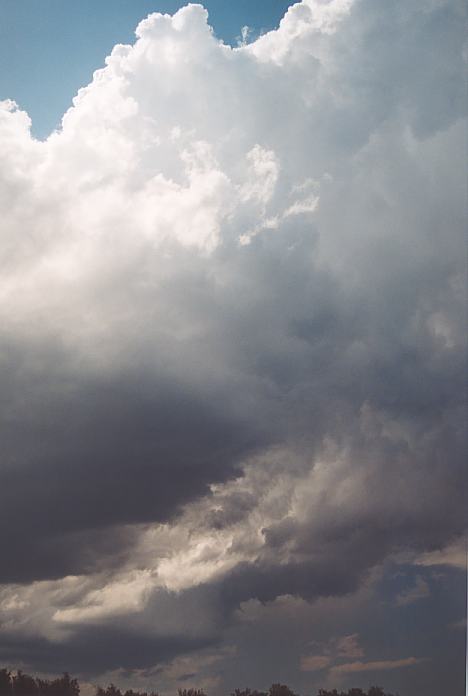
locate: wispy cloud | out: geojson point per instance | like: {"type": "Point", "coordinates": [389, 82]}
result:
{"type": "Point", "coordinates": [376, 665]}
{"type": "Point", "coordinates": [315, 663]}
{"type": "Point", "coordinates": [420, 590]}
{"type": "Point", "coordinates": [454, 554]}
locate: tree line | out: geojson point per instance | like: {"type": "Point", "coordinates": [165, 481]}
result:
{"type": "Point", "coordinates": [20, 684]}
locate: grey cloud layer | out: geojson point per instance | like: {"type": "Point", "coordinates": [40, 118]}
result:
{"type": "Point", "coordinates": [234, 282]}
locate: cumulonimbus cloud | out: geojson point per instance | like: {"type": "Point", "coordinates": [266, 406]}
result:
{"type": "Point", "coordinates": [231, 302]}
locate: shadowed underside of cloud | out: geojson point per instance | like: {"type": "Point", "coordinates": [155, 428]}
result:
{"type": "Point", "coordinates": [231, 304]}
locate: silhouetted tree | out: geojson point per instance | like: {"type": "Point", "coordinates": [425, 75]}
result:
{"type": "Point", "coordinates": [248, 692]}
{"type": "Point", "coordinates": [373, 691]}
{"type": "Point", "coordinates": [62, 686]}
{"type": "Point", "coordinates": [24, 685]}
{"type": "Point", "coordinates": [21, 684]}
{"type": "Point", "coordinates": [280, 690]}
{"type": "Point", "coordinates": [5, 682]}
{"type": "Point", "coordinates": [111, 690]}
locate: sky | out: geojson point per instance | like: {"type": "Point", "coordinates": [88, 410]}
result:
{"type": "Point", "coordinates": [51, 48]}
{"type": "Point", "coordinates": [232, 344]}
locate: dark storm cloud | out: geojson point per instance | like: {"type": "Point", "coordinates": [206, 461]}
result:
{"type": "Point", "coordinates": [94, 650]}
{"type": "Point", "coordinates": [85, 454]}
{"type": "Point", "coordinates": [233, 509]}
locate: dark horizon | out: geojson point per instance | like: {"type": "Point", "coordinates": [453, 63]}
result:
{"type": "Point", "coordinates": [20, 684]}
